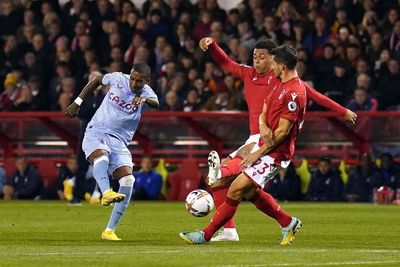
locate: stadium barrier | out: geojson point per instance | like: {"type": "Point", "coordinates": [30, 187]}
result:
{"type": "Point", "coordinates": [175, 136]}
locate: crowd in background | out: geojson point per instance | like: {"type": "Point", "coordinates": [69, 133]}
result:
{"type": "Point", "coordinates": [349, 50]}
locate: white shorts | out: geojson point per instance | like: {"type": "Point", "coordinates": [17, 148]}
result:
{"type": "Point", "coordinates": [119, 155]}
{"type": "Point", "coordinates": [252, 139]}
{"type": "Point", "coordinates": [262, 170]}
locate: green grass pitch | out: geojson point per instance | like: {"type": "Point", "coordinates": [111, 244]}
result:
{"type": "Point", "coordinates": [54, 234]}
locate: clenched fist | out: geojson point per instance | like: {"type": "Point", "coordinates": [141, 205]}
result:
{"type": "Point", "coordinates": [205, 42]}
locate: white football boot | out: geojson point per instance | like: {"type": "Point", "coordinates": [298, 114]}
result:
{"type": "Point", "coordinates": [214, 165]}
{"type": "Point", "coordinates": [228, 234]}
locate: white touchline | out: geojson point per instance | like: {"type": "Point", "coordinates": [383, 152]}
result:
{"type": "Point", "coordinates": [204, 251]}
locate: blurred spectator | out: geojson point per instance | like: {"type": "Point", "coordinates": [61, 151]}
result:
{"type": "Point", "coordinates": [389, 172]}
{"type": "Point", "coordinates": [10, 94]}
{"type": "Point", "coordinates": [25, 183]}
{"type": "Point", "coordinates": [66, 179]}
{"type": "Point", "coordinates": [32, 96]}
{"type": "Point", "coordinates": [10, 18]}
{"type": "Point", "coordinates": [285, 185]}
{"type": "Point", "coordinates": [192, 101]}
{"type": "Point", "coordinates": [359, 186]}
{"type": "Point", "coordinates": [336, 86]}
{"type": "Point", "coordinates": [315, 41]}
{"type": "Point", "coordinates": [67, 92]}
{"type": "Point", "coordinates": [147, 182]}
{"type": "Point", "coordinates": [388, 93]}
{"type": "Point", "coordinates": [393, 40]}
{"type": "Point", "coordinates": [325, 184]}
{"type": "Point", "coordinates": [224, 99]}
{"type": "Point", "coordinates": [172, 102]}
{"type": "Point", "coordinates": [202, 28]}
{"type": "Point", "coordinates": [362, 101]}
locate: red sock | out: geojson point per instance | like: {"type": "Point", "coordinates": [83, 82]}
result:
{"type": "Point", "coordinates": [224, 213]}
{"type": "Point", "coordinates": [232, 167]}
{"type": "Point", "coordinates": [219, 194]}
{"type": "Point", "coordinates": [267, 204]}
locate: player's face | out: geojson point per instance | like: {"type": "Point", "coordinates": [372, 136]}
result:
{"type": "Point", "coordinates": [137, 81]}
{"type": "Point", "coordinates": [261, 60]}
{"type": "Point", "coordinates": [277, 68]}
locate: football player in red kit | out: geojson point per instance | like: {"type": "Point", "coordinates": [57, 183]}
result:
{"type": "Point", "coordinates": [258, 81]}
{"type": "Point", "coordinates": [282, 114]}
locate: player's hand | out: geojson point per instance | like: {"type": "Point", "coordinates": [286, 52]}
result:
{"type": "Point", "coordinates": [350, 116]}
{"type": "Point", "coordinates": [250, 159]}
{"type": "Point", "coordinates": [72, 110]}
{"type": "Point", "coordinates": [205, 42]}
{"type": "Point", "coordinates": [138, 100]}
{"type": "Point", "coordinates": [266, 135]}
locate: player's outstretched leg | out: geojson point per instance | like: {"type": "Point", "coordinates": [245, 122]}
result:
{"type": "Point", "coordinates": [100, 174]}
{"type": "Point", "coordinates": [219, 190]}
{"type": "Point", "coordinates": [229, 232]}
{"type": "Point", "coordinates": [267, 204]}
{"type": "Point", "coordinates": [224, 213]}
{"type": "Point", "coordinates": [125, 188]}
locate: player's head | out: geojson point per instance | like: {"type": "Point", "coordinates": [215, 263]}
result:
{"type": "Point", "coordinates": [262, 55]}
{"type": "Point", "coordinates": [140, 75]}
{"type": "Point", "coordinates": [284, 59]}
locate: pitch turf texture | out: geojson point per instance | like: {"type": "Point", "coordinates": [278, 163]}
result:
{"type": "Point", "coordinates": [54, 234]}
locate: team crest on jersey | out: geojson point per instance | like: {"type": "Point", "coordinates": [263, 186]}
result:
{"type": "Point", "coordinates": [292, 106]}
{"type": "Point", "coordinates": [294, 95]}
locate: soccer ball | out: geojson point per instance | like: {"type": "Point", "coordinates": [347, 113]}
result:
{"type": "Point", "coordinates": [199, 203]}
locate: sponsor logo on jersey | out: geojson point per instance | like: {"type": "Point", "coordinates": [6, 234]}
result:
{"type": "Point", "coordinates": [125, 105]}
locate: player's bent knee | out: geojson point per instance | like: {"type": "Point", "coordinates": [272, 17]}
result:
{"type": "Point", "coordinates": [100, 159]}
{"type": "Point", "coordinates": [96, 154]}
{"type": "Point", "coordinates": [121, 172]}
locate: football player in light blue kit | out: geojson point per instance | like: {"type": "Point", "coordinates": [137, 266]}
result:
{"type": "Point", "coordinates": [108, 133]}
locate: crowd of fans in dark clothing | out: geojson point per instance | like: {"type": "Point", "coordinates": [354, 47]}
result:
{"type": "Point", "coordinates": [349, 50]}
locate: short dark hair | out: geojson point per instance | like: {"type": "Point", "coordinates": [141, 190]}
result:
{"type": "Point", "coordinates": [265, 44]}
{"type": "Point", "coordinates": [286, 55]}
{"type": "Point", "coordinates": [142, 68]}
{"type": "Point", "coordinates": [325, 159]}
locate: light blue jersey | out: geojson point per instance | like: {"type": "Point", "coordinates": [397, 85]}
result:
{"type": "Point", "coordinates": [116, 115]}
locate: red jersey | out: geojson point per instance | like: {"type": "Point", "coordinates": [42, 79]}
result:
{"type": "Point", "coordinates": [256, 87]}
{"type": "Point", "coordinates": [287, 100]}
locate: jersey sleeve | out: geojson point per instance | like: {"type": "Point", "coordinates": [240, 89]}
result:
{"type": "Point", "coordinates": [149, 93]}
{"type": "Point", "coordinates": [292, 105]}
{"type": "Point", "coordinates": [226, 63]}
{"type": "Point", "coordinates": [323, 100]}
{"type": "Point", "coordinates": [110, 78]}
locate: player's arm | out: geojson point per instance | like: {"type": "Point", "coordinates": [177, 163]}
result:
{"type": "Point", "coordinates": [328, 103]}
{"type": "Point", "coordinates": [221, 57]}
{"type": "Point", "coordinates": [72, 110]}
{"type": "Point", "coordinates": [153, 103]}
{"type": "Point", "coordinates": [279, 136]}
{"type": "Point", "coordinates": [266, 133]}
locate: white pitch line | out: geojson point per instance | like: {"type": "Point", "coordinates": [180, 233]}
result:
{"type": "Point", "coordinates": [329, 263]}
{"type": "Point", "coordinates": [155, 251]}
